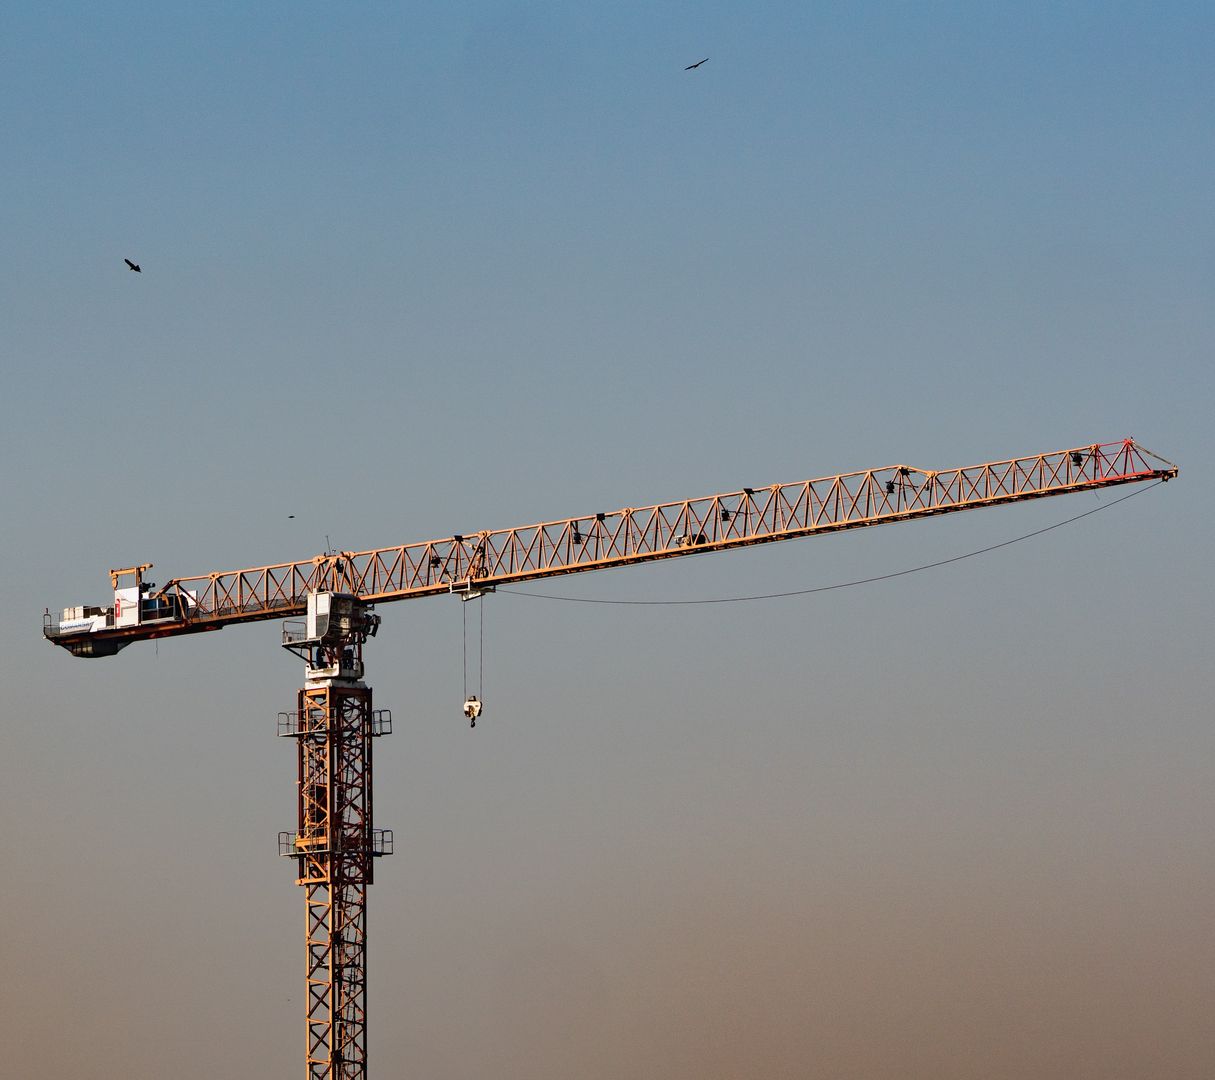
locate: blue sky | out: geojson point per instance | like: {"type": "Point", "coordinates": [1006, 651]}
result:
{"type": "Point", "coordinates": [409, 272]}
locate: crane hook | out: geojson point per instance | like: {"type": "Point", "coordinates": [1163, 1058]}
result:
{"type": "Point", "coordinates": [472, 709]}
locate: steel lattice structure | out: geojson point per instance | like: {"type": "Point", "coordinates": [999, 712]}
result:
{"type": "Point", "coordinates": [623, 537]}
{"type": "Point", "coordinates": [335, 843]}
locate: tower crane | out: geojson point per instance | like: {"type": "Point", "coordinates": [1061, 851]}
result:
{"type": "Point", "coordinates": [328, 603]}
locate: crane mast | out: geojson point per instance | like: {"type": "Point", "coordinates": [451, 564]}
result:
{"type": "Point", "coordinates": [335, 844]}
{"type": "Point", "coordinates": [328, 604]}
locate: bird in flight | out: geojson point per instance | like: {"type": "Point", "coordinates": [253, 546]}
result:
{"type": "Point", "coordinates": [692, 67]}
{"type": "Point", "coordinates": [132, 266]}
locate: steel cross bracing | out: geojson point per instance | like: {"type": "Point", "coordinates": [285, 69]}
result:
{"type": "Point", "coordinates": [622, 537]}
{"type": "Point", "coordinates": [335, 844]}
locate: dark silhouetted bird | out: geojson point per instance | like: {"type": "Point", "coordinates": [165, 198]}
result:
{"type": "Point", "coordinates": [132, 266]}
{"type": "Point", "coordinates": [692, 67]}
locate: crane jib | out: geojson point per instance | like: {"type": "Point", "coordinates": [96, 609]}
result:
{"type": "Point", "coordinates": [598, 541]}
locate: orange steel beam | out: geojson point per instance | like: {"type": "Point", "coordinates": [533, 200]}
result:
{"type": "Point", "coordinates": [624, 537]}
{"type": "Point", "coordinates": [335, 846]}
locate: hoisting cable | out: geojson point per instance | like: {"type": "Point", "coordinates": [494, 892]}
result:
{"type": "Point", "coordinates": [841, 584]}
{"type": "Point", "coordinates": [480, 646]}
{"type": "Point", "coordinates": [472, 702]}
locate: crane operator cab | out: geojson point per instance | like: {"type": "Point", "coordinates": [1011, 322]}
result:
{"type": "Point", "coordinates": [329, 639]}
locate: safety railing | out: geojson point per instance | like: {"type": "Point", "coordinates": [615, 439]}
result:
{"type": "Point", "coordinates": [292, 845]}
{"type": "Point", "coordinates": [294, 724]}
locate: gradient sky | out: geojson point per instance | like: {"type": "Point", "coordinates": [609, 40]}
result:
{"type": "Point", "coordinates": [424, 269]}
